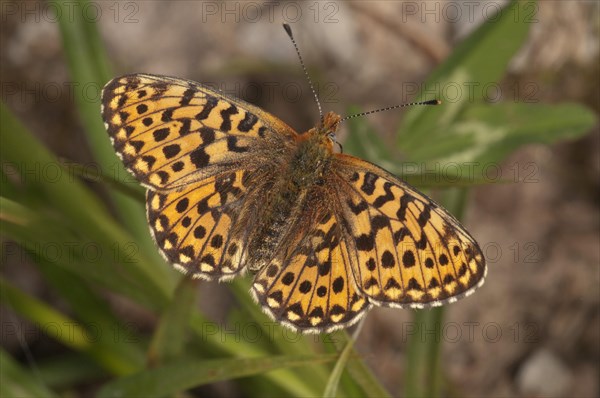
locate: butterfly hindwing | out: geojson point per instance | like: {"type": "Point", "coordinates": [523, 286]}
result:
{"type": "Point", "coordinates": [311, 287]}
{"type": "Point", "coordinates": [195, 227]}
{"type": "Point", "coordinates": [411, 252]}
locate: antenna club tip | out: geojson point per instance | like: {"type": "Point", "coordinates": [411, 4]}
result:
{"type": "Point", "coordinates": [433, 102]}
{"type": "Point", "coordinates": [288, 29]}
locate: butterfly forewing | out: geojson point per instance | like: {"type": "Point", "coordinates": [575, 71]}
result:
{"type": "Point", "coordinates": [171, 132]}
{"type": "Point", "coordinates": [411, 252]}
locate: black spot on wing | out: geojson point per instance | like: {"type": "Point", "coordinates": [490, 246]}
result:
{"type": "Point", "coordinates": [199, 158]}
{"type": "Point", "coordinates": [159, 88]}
{"type": "Point", "coordinates": [296, 308]}
{"type": "Point", "coordinates": [365, 242]}
{"type": "Point", "coordinates": [129, 130]}
{"type": "Point", "coordinates": [207, 134]}
{"type": "Point", "coordinates": [163, 175]}
{"type": "Point", "coordinates": [338, 284]}
{"type": "Point", "coordinates": [132, 82]}
{"type": "Point", "coordinates": [324, 268]}
{"type": "Point", "coordinates": [277, 296]}
{"type": "Point", "coordinates": [392, 284]}
{"type": "Point", "coordinates": [305, 287]}
{"type": "Point", "coordinates": [150, 160]}
{"type": "Point", "coordinates": [408, 259]}
{"type": "Point", "coordinates": [182, 205]}
{"type": "Point", "coordinates": [226, 115]}
{"type": "Point", "coordinates": [160, 134]}
{"type": "Point", "coordinates": [370, 283]}
{"type": "Point", "coordinates": [383, 199]}
{"type": "Point", "coordinates": [413, 284]}
{"type": "Point", "coordinates": [429, 262]}
{"type": "Point", "coordinates": [167, 115]}
{"type": "Point", "coordinates": [171, 151]}
{"type": "Point", "coordinates": [368, 185]}
{"type": "Point", "coordinates": [232, 144]}
{"type": "Point", "coordinates": [388, 260]}
{"type": "Point", "coordinates": [177, 166]}
{"type": "Point", "coordinates": [422, 243]}
{"type": "Point", "coordinates": [141, 108]}
{"type": "Point", "coordinates": [137, 145]}
{"type": "Point", "coordinates": [288, 278]}
{"type": "Point", "coordinates": [379, 222]}
{"type": "Point", "coordinates": [443, 259]}
{"type": "Point", "coordinates": [358, 208]}
{"type": "Point", "coordinates": [211, 103]}
{"type": "Point", "coordinates": [424, 216]}
{"type": "Point", "coordinates": [317, 312]}
{"type": "Point", "coordinates": [185, 127]}
{"type": "Point", "coordinates": [404, 201]}
{"type": "Point", "coordinates": [401, 234]}
{"type": "Point", "coordinates": [247, 122]}
{"type": "Point", "coordinates": [122, 100]}
{"type": "Point", "coordinates": [187, 96]}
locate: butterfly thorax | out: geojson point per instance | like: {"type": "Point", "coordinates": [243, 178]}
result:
{"type": "Point", "coordinates": [303, 173]}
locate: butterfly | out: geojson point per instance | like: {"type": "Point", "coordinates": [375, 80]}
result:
{"type": "Point", "coordinates": [231, 188]}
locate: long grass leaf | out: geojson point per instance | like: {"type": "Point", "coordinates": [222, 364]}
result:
{"type": "Point", "coordinates": [187, 373]}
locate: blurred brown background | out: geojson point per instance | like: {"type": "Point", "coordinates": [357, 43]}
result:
{"type": "Point", "coordinates": [533, 329]}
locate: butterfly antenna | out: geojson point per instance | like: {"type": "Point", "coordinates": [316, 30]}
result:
{"type": "Point", "coordinates": [288, 30]}
{"type": "Point", "coordinates": [430, 102]}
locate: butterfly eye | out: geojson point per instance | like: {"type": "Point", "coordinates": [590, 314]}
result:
{"type": "Point", "coordinates": [331, 135]}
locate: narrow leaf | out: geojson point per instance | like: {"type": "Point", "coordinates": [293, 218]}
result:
{"type": "Point", "coordinates": [184, 374]}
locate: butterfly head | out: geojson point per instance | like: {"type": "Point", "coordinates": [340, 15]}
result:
{"type": "Point", "coordinates": [330, 124]}
{"type": "Point", "coordinates": [324, 134]}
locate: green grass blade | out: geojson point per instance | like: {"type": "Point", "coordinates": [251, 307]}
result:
{"type": "Point", "coordinates": [357, 370]}
{"type": "Point", "coordinates": [169, 379]}
{"type": "Point", "coordinates": [18, 382]}
{"type": "Point", "coordinates": [131, 189]}
{"type": "Point", "coordinates": [94, 313]}
{"type": "Point", "coordinates": [81, 208]}
{"type": "Point", "coordinates": [64, 329]}
{"type": "Point", "coordinates": [89, 67]}
{"type": "Point", "coordinates": [222, 343]}
{"type": "Point", "coordinates": [488, 134]}
{"type": "Point", "coordinates": [46, 239]}
{"type": "Point", "coordinates": [69, 369]}
{"type": "Point", "coordinates": [422, 377]}
{"type": "Point", "coordinates": [170, 336]}
{"type": "Point", "coordinates": [470, 66]}
{"type": "Point", "coordinates": [281, 343]}
{"type": "Point", "coordinates": [331, 388]}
